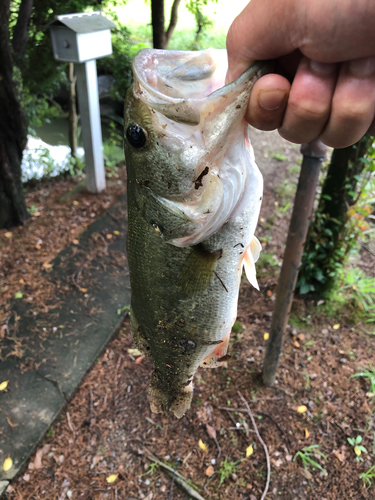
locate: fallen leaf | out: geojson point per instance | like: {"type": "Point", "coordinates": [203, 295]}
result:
{"type": "Point", "coordinates": [269, 293]}
{"type": "Point", "coordinates": [302, 409]}
{"type": "Point", "coordinates": [75, 202]}
{"type": "Point", "coordinates": [75, 242]}
{"type": "Point", "coordinates": [36, 214]}
{"type": "Point", "coordinates": [11, 424]}
{"type": "Point", "coordinates": [18, 295]}
{"type": "Point", "coordinates": [301, 337]}
{"type": "Point", "coordinates": [8, 463]}
{"type": "Point", "coordinates": [296, 344]}
{"type": "Point", "coordinates": [4, 385]}
{"type": "Point", "coordinates": [116, 233]}
{"type": "Point", "coordinates": [26, 477]}
{"type": "Point", "coordinates": [266, 336]}
{"type": "Point", "coordinates": [211, 431]}
{"type": "Point", "coordinates": [96, 460]}
{"type": "Point", "coordinates": [134, 352]}
{"type": "Point", "coordinates": [339, 456]}
{"type": "Point", "coordinates": [112, 478]}
{"type": "Point", "coordinates": [83, 290]}
{"type": "Point", "coordinates": [336, 327]}
{"type": "Point", "coordinates": [8, 234]}
{"type": "Point", "coordinates": [22, 281]}
{"type": "Point", "coordinates": [47, 266]}
{"type": "Point", "coordinates": [209, 471]}
{"type": "Point", "coordinates": [307, 434]}
{"type": "Point", "coordinates": [202, 446]}
{"type": "Point", "coordinates": [249, 451]}
{"type": "Point", "coordinates": [357, 451]}
{"type": "Point", "coordinates": [138, 360]}
{"type": "Point", "coordinates": [38, 247]}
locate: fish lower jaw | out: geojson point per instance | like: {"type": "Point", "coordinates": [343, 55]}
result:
{"type": "Point", "coordinates": [163, 402]}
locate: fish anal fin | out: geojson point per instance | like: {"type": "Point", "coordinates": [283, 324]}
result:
{"type": "Point", "coordinates": [251, 255]}
{"type": "Point", "coordinates": [197, 271]}
{"type": "Point", "coordinates": [219, 352]}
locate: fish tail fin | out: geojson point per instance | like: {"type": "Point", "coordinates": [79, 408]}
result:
{"type": "Point", "coordinates": [213, 360]}
{"type": "Point", "coordinates": [162, 402]}
{"type": "Point", "coordinates": [251, 255]}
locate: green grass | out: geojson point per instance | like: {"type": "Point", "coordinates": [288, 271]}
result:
{"type": "Point", "coordinates": [368, 476]}
{"type": "Point", "coordinates": [306, 454]}
{"type": "Point", "coordinates": [369, 374]}
{"type": "Point", "coordinates": [227, 469]}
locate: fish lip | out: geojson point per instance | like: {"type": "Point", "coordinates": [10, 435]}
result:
{"type": "Point", "coordinates": [258, 69]}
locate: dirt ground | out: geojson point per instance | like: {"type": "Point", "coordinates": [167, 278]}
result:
{"type": "Point", "coordinates": [98, 447]}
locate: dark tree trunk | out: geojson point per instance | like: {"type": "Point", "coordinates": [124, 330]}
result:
{"type": "Point", "coordinates": [158, 22]}
{"type": "Point", "coordinates": [160, 37]}
{"type": "Point", "coordinates": [172, 22]}
{"type": "Point", "coordinates": [324, 250]}
{"type": "Point", "coordinates": [13, 132]}
{"type": "Point", "coordinates": [20, 31]}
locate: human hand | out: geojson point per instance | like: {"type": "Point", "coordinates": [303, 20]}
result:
{"type": "Point", "coordinates": [326, 50]}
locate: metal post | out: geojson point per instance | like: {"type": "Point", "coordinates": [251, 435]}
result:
{"type": "Point", "coordinates": [313, 154]}
{"type": "Point", "coordinates": [88, 98]}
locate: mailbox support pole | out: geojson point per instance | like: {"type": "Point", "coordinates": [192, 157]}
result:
{"type": "Point", "coordinates": [313, 154]}
{"type": "Point", "coordinates": [88, 98]}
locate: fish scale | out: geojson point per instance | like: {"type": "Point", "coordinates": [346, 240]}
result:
{"type": "Point", "coordinates": [194, 194]}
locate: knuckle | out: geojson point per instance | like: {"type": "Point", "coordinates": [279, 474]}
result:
{"type": "Point", "coordinates": [308, 110]}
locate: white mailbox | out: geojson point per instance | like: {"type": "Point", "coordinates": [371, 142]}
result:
{"type": "Point", "coordinates": [80, 37]}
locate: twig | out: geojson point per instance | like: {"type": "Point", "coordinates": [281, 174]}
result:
{"type": "Point", "coordinates": [178, 457]}
{"type": "Point", "coordinates": [179, 478]}
{"type": "Point", "coordinates": [69, 422]}
{"type": "Point", "coordinates": [262, 443]}
{"type": "Point", "coordinates": [91, 407]}
{"type": "Point", "coordinates": [367, 249]}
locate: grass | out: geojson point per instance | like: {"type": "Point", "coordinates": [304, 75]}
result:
{"type": "Point", "coordinates": [227, 469]}
{"type": "Point", "coordinates": [305, 455]}
{"type": "Point", "coordinates": [368, 476]}
{"type": "Point", "coordinates": [368, 373]}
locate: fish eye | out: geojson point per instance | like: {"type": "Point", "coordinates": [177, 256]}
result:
{"type": "Point", "coordinates": [136, 136]}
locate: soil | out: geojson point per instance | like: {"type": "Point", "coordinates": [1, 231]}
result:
{"type": "Point", "coordinates": [107, 428]}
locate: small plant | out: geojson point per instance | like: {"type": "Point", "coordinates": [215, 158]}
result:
{"type": "Point", "coordinates": [368, 373]}
{"type": "Point", "coordinates": [367, 477]}
{"type": "Point", "coordinates": [227, 469]}
{"type": "Point", "coordinates": [357, 447]}
{"type": "Point", "coordinates": [305, 455]}
{"type": "Point", "coordinates": [151, 468]}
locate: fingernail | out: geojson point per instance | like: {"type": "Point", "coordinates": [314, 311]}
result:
{"type": "Point", "coordinates": [362, 67]}
{"type": "Point", "coordinates": [323, 68]}
{"type": "Point", "coordinates": [272, 99]}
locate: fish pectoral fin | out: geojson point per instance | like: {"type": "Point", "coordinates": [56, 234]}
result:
{"type": "Point", "coordinates": [197, 271]}
{"type": "Point", "coordinates": [218, 355]}
{"type": "Point", "coordinates": [251, 255]}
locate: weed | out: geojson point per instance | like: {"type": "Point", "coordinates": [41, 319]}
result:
{"type": "Point", "coordinates": [368, 373]}
{"type": "Point", "coordinates": [227, 469]}
{"type": "Point", "coordinates": [357, 447]}
{"type": "Point", "coordinates": [367, 477]}
{"type": "Point", "coordinates": [237, 327]}
{"type": "Point", "coordinates": [151, 468]}
{"type": "Point", "coordinates": [307, 381]}
{"type": "Point", "coordinates": [305, 455]}
{"type": "Point", "coordinates": [279, 157]}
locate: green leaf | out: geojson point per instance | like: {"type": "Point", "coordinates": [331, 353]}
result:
{"type": "Point", "coordinates": [18, 295]}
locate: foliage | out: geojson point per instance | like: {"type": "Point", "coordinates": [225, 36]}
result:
{"type": "Point", "coordinates": [368, 373]}
{"type": "Point", "coordinates": [357, 447]}
{"type": "Point", "coordinates": [227, 469]}
{"type": "Point", "coordinates": [305, 455]}
{"type": "Point", "coordinates": [367, 477]}
{"type": "Point", "coordinates": [203, 22]}
{"type": "Point", "coordinates": [332, 240]}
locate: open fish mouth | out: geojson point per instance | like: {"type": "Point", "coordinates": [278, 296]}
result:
{"type": "Point", "coordinates": [194, 195]}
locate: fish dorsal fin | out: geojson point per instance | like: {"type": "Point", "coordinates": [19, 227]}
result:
{"type": "Point", "coordinates": [250, 257]}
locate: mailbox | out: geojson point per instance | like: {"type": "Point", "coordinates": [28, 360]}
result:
{"type": "Point", "coordinates": [80, 37]}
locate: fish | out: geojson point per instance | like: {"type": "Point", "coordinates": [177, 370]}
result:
{"type": "Point", "coordinates": [194, 195]}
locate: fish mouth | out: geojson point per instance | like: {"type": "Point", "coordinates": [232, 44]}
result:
{"type": "Point", "coordinates": [179, 83]}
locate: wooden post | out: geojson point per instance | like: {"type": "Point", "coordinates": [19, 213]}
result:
{"type": "Point", "coordinates": [73, 117]}
{"type": "Point", "coordinates": [313, 154]}
{"type": "Point", "coordinates": [88, 99]}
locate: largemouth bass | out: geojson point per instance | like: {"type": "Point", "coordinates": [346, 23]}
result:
{"type": "Point", "coordinates": [194, 196]}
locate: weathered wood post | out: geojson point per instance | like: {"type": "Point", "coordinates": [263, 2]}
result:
{"type": "Point", "coordinates": [313, 154]}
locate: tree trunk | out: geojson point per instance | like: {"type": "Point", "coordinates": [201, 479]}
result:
{"type": "Point", "coordinates": [20, 31]}
{"type": "Point", "coordinates": [172, 22]}
{"type": "Point", "coordinates": [73, 117]}
{"type": "Point", "coordinates": [13, 132]}
{"type": "Point", "coordinates": [325, 250]}
{"type": "Point", "coordinates": [158, 24]}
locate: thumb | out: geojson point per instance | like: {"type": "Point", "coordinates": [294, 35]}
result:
{"type": "Point", "coordinates": [265, 29]}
